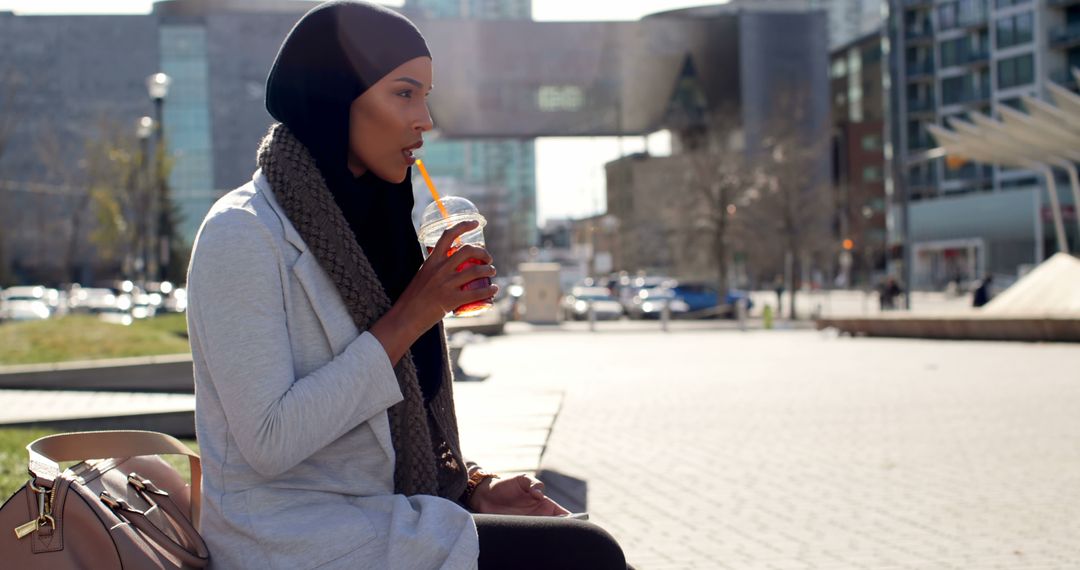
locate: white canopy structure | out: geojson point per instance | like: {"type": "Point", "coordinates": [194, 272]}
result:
{"type": "Point", "coordinates": [1044, 138]}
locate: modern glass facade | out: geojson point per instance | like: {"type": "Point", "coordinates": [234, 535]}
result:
{"type": "Point", "coordinates": [187, 123]}
{"type": "Point", "coordinates": [504, 168]}
{"type": "Point", "coordinates": [955, 57]}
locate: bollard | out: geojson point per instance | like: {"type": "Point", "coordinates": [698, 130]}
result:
{"type": "Point", "coordinates": [592, 316]}
{"type": "Point", "coordinates": [740, 313]}
{"type": "Point", "coordinates": [665, 315]}
{"type": "Point", "coordinates": [767, 317]}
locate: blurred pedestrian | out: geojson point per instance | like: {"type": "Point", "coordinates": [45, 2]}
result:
{"type": "Point", "coordinates": [778, 286]}
{"type": "Point", "coordinates": [325, 411]}
{"type": "Point", "coordinates": [982, 292]}
{"type": "Point", "coordinates": [888, 291]}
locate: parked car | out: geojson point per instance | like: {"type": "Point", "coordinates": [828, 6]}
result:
{"type": "Point", "coordinates": [115, 315]}
{"type": "Point", "coordinates": [702, 300]}
{"type": "Point", "coordinates": [576, 305]}
{"type": "Point", "coordinates": [630, 288]}
{"type": "Point", "coordinates": [23, 310]}
{"type": "Point", "coordinates": [24, 303]}
{"type": "Point", "coordinates": [143, 306]}
{"type": "Point", "coordinates": [176, 301]}
{"type": "Point", "coordinates": [649, 303]}
{"type": "Point", "coordinates": [92, 299]}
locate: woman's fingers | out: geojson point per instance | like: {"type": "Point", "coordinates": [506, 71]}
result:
{"type": "Point", "coordinates": [471, 273]}
{"type": "Point", "coordinates": [467, 296]}
{"type": "Point", "coordinates": [447, 240]}
{"type": "Point", "coordinates": [468, 253]}
{"type": "Point", "coordinates": [535, 487]}
{"type": "Point", "coordinates": [557, 509]}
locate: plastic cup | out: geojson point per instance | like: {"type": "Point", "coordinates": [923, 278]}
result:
{"type": "Point", "coordinates": [432, 225]}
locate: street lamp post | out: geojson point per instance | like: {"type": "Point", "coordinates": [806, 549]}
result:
{"type": "Point", "coordinates": [158, 87]}
{"type": "Point", "coordinates": [143, 130]}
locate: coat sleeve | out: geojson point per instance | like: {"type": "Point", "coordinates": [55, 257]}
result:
{"type": "Point", "coordinates": [236, 284]}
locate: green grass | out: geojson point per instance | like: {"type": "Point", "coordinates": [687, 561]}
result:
{"type": "Point", "coordinates": [13, 473]}
{"type": "Point", "coordinates": [84, 337]}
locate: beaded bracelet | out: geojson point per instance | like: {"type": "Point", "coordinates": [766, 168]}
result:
{"type": "Point", "coordinates": [475, 478]}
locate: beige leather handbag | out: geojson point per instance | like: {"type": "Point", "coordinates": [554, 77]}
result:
{"type": "Point", "coordinates": [129, 510]}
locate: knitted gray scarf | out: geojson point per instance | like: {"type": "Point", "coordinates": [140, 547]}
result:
{"type": "Point", "coordinates": [425, 441]}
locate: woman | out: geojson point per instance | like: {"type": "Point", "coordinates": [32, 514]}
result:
{"type": "Point", "coordinates": [324, 408]}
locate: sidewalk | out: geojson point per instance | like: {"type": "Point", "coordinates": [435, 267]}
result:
{"type": "Point", "coordinates": [719, 449]}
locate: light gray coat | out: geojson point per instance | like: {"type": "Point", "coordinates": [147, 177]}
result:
{"type": "Point", "coordinates": [291, 404]}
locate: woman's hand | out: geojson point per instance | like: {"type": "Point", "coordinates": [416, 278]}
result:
{"type": "Point", "coordinates": [434, 292]}
{"type": "Point", "coordinates": [520, 495]}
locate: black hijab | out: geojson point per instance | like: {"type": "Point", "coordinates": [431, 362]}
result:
{"type": "Point", "coordinates": [333, 55]}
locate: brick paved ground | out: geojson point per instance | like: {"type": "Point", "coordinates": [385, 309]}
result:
{"type": "Point", "coordinates": [794, 449]}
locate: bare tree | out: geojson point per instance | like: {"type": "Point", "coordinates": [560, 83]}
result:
{"type": "Point", "coordinates": [716, 177]}
{"type": "Point", "coordinates": [790, 210]}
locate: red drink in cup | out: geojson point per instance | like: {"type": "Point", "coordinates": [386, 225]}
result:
{"type": "Point", "coordinates": [435, 221]}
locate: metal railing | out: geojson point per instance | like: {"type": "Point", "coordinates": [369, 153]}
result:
{"type": "Point", "coordinates": [1065, 36]}
{"type": "Point", "coordinates": [919, 69]}
{"type": "Point", "coordinates": [1066, 79]}
{"type": "Point", "coordinates": [968, 95]}
{"type": "Point", "coordinates": [919, 34]}
{"type": "Point", "coordinates": [920, 106]}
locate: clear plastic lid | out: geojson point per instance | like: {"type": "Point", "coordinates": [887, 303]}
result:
{"type": "Point", "coordinates": [433, 224]}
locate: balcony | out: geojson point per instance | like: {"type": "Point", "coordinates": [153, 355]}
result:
{"type": "Point", "coordinates": [976, 20]}
{"type": "Point", "coordinates": [921, 107]}
{"type": "Point", "coordinates": [922, 180]}
{"type": "Point", "coordinates": [920, 70]}
{"type": "Point", "coordinates": [972, 59]}
{"type": "Point", "coordinates": [919, 143]}
{"type": "Point", "coordinates": [968, 96]}
{"type": "Point", "coordinates": [924, 34]}
{"type": "Point", "coordinates": [1066, 80]}
{"type": "Point", "coordinates": [1065, 37]}
{"type": "Point", "coordinates": [976, 58]}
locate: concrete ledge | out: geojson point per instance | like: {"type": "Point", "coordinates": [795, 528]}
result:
{"type": "Point", "coordinates": [166, 373]}
{"type": "Point", "coordinates": [960, 327]}
{"type": "Point", "coordinates": [176, 424]}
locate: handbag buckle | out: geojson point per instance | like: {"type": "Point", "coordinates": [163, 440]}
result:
{"type": "Point", "coordinates": [110, 501]}
{"type": "Point", "coordinates": [144, 485]}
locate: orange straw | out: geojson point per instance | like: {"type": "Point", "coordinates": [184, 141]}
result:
{"type": "Point", "coordinates": [431, 188]}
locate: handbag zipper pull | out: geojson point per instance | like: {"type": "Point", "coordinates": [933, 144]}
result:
{"type": "Point", "coordinates": [23, 530]}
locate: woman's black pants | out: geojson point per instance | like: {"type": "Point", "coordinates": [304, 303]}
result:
{"type": "Point", "coordinates": [524, 543]}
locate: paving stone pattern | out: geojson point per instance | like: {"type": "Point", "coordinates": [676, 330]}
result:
{"type": "Point", "coordinates": [799, 450]}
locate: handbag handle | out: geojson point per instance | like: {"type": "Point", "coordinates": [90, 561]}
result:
{"type": "Point", "coordinates": [200, 558]}
{"type": "Point", "coordinates": [47, 451]}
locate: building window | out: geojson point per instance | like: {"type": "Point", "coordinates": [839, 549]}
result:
{"type": "Point", "coordinates": [954, 90]}
{"type": "Point", "coordinates": [871, 142]}
{"type": "Point", "coordinates": [965, 49]}
{"type": "Point", "coordinates": [918, 138]}
{"type": "Point", "coordinates": [1015, 30]}
{"type": "Point", "coordinates": [1019, 70]}
{"type": "Point", "coordinates": [1014, 102]}
{"type": "Point", "coordinates": [1006, 3]}
{"type": "Point", "coordinates": [1019, 183]}
{"type": "Point", "coordinates": [560, 98]}
{"type": "Point", "coordinates": [971, 12]}
{"type": "Point", "coordinates": [946, 16]}
{"type": "Point", "coordinates": [871, 174]}
{"type": "Point", "coordinates": [871, 55]}
{"type": "Point", "coordinates": [839, 68]}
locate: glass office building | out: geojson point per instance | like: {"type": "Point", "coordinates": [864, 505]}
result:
{"type": "Point", "coordinates": [950, 58]}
